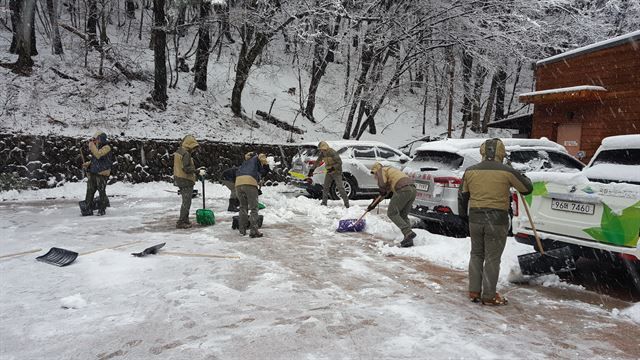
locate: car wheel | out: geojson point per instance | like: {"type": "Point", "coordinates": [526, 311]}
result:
{"type": "Point", "coordinates": [350, 187]}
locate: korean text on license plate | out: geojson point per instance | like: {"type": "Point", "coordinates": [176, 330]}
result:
{"type": "Point", "coordinates": [572, 206]}
{"type": "Point", "coordinates": [422, 187]}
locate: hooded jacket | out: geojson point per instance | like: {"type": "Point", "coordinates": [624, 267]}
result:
{"type": "Point", "coordinates": [252, 170]}
{"type": "Point", "coordinates": [485, 188]}
{"type": "Point", "coordinates": [389, 178]}
{"type": "Point", "coordinates": [184, 169]}
{"type": "Point", "coordinates": [101, 160]}
{"type": "Point", "coordinates": [331, 159]}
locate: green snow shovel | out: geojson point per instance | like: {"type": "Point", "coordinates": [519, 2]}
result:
{"type": "Point", "coordinates": [204, 216]}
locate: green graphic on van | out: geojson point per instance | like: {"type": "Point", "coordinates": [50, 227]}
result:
{"type": "Point", "coordinates": [618, 229]}
{"type": "Point", "coordinates": [539, 189]}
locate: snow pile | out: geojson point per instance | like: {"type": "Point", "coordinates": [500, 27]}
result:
{"type": "Point", "coordinates": [632, 312]}
{"type": "Point", "coordinates": [73, 302]}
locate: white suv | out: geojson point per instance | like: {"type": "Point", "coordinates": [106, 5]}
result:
{"type": "Point", "coordinates": [438, 166]}
{"type": "Point", "coordinates": [357, 159]}
{"type": "Point", "coordinates": [597, 212]}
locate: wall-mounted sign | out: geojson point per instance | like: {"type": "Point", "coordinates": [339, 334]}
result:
{"type": "Point", "coordinates": [570, 143]}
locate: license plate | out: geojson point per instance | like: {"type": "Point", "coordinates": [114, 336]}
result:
{"type": "Point", "coordinates": [571, 206]}
{"type": "Point", "coordinates": [422, 187]}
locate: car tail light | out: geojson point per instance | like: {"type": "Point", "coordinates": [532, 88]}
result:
{"type": "Point", "coordinates": [443, 209]}
{"type": "Point", "coordinates": [628, 257]}
{"type": "Point", "coordinates": [522, 235]}
{"type": "Point", "coordinates": [515, 205]}
{"type": "Point", "coordinates": [448, 181]}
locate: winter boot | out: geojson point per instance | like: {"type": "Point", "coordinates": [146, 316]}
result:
{"type": "Point", "coordinates": [101, 212]}
{"type": "Point", "coordinates": [183, 225]}
{"type": "Point", "coordinates": [474, 296]}
{"type": "Point", "coordinates": [496, 301]}
{"type": "Point", "coordinates": [408, 240]}
{"type": "Point", "coordinates": [256, 234]}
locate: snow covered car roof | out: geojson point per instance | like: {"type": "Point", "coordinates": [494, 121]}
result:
{"type": "Point", "coordinates": [464, 146]}
{"type": "Point", "coordinates": [621, 142]}
{"type": "Point", "coordinates": [342, 143]}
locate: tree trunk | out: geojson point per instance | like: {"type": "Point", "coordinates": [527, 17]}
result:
{"type": "Point", "coordinates": [367, 57]}
{"type": "Point", "coordinates": [424, 76]}
{"type": "Point", "coordinates": [15, 7]}
{"type": "Point", "coordinates": [92, 22]}
{"type": "Point", "coordinates": [490, 101]}
{"type": "Point", "coordinates": [159, 94]}
{"type": "Point", "coordinates": [202, 52]}
{"type": "Point", "coordinates": [481, 74]}
{"type": "Point", "coordinates": [52, 9]}
{"type": "Point", "coordinates": [321, 60]}
{"type": "Point", "coordinates": [223, 13]}
{"type": "Point", "coordinates": [451, 69]}
{"type": "Point", "coordinates": [467, 66]}
{"type": "Point", "coordinates": [245, 61]}
{"type": "Point", "coordinates": [515, 86]}
{"type": "Point", "coordinates": [130, 7]}
{"type": "Point", "coordinates": [438, 89]}
{"type": "Point", "coordinates": [24, 37]}
{"type": "Point", "coordinates": [500, 93]}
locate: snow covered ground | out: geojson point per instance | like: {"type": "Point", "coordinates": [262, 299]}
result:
{"type": "Point", "coordinates": [301, 292]}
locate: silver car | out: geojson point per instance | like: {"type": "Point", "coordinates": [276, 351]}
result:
{"type": "Point", "coordinates": [357, 157]}
{"type": "Point", "coordinates": [438, 166]}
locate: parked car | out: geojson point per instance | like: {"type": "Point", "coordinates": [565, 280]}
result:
{"type": "Point", "coordinates": [598, 213]}
{"type": "Point", "coordinates": [438, 166]}
{"type": "Point", "coordinates": [357, 159]}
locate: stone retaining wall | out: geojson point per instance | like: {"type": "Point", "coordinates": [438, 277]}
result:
{"type": "Point", "coordinates": [48, 161]}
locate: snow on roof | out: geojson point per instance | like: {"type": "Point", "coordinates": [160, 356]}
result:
{"type": "Point", "coordinates": [622, 39]}
{"type": "Point", "coordinates": [343, 143]}
{"type": "Point", "coordinates": [463, 145]}
{"type": "Point", "coordinates": [621, 142]}
{"type": "Point", "coordinates": [564, 90]}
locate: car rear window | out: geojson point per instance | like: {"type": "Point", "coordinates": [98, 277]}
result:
{"type": "Point", "coordinates": [618, 156]}
{"type": "Point", "coordinates": [438, 159]}
{"type": "Point", "coordinates": [540, 160]}
{"type": "Point", "coordinates": [309, 151]}
{"type": "Point", "coordinates": [364, 152]}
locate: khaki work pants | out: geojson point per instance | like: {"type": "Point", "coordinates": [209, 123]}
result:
{"type": "Point", "coordinates": [487, 244]}
{"type": "Point", "coordinates": [187, 194]}
{"type": "Point", "coordinates": [329, 178]}
{"type": "Point", "coordinates": [248, 197]}
{"type": "Point", "coordinates": [232, 187]}
{"type": "Point", "coordinates": [98, 183]}
{"type": "Point", "coordinates": [399, 207]}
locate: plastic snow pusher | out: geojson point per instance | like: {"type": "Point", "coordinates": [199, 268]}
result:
{"type": "Point", "coordinates": [204, 216]}
{"type": "Point", "coordinates": [353, 225]}
{"type": "Point", "coordinates": [546, 261]}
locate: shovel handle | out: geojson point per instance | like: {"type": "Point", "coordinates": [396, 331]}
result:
{"type": "Point", "coordinates": [365, 213]}
{"type": "Point", "coordinates": [533, 227]}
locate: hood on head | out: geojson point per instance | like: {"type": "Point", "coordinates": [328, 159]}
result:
{"type": "Point", "coordinates": [248, 155]}
{"type": "Point", "coordinates": [493, 150]}
{"type": "Point", "coordinates": [376, 167]}
{"type": "Point", "coordinates": [263, 159]}
{"type": "Point", "coordinates": [323, 146]}
{"type": "Point", "coordinates": [189, 142]}
{"type": "Point", "coordinates": [101, 136]}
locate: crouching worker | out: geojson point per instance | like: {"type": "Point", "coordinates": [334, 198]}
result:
{"type": "Point", "coordinates": [99, 169]}
{"type": "Point", "coordinates": [247, 178]}
{"type": "Point", "coordinates": [404, 193]}
{"type": "Point", "coordinates": [184, 177]}
{"type": "Point", "coordinates": [229, 180]}
{"type": "Point", "coordinates": [485, 191]}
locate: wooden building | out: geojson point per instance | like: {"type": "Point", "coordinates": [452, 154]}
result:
{"type": "Point", "coordinates": [587, 94]}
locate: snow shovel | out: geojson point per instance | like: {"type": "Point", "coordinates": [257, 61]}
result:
{"type": "Point", "coordinates": [205, 216]}
{"type": "Point", "coordinates": [150, 250]}
{"type": "Point", "coordinates": [58, 257]}
{"type": "Point", "coordinates": [351, 225]}
{"type": "Point", "coordinates": [544, 262]}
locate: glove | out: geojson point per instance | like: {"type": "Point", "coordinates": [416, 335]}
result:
{"type": "Point", "coordinates": [383, 193]}
{"type": "Point", "coordinates": [86, 164]}
{"type": "Point", "coordinates": [310, 173]}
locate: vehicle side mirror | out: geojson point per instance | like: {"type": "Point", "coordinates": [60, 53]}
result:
{"type": "Point", "coordinates": [403, 160]}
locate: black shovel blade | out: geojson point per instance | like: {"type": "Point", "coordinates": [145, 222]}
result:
{"type": "Point", "coordinates": [150, 250]}
{"type": "Point", "coordinates": [58, 257]}
{"type": "Point", "coordinates": [553, 261]}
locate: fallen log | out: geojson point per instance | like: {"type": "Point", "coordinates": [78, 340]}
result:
{"type": "Point", "coordinates": [104, 51]}
{"type": "Point", "coordinates": [279, 123]}
{"type": "Point", "coordinates": [63, 75]}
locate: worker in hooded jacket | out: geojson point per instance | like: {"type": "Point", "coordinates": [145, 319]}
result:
{"type": "Point", "coordinates": [99, 169]}
{"type": "Point", "coordinates": [485, 192]}
{"type": "Point", "coordinates": [248, 178]}
{"type": "Point", "coordinates": [184, 177]}
{"type": "Point", "coordinates": [392, 180]}
{"type": "Point", "coordinates": [333, 165]}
